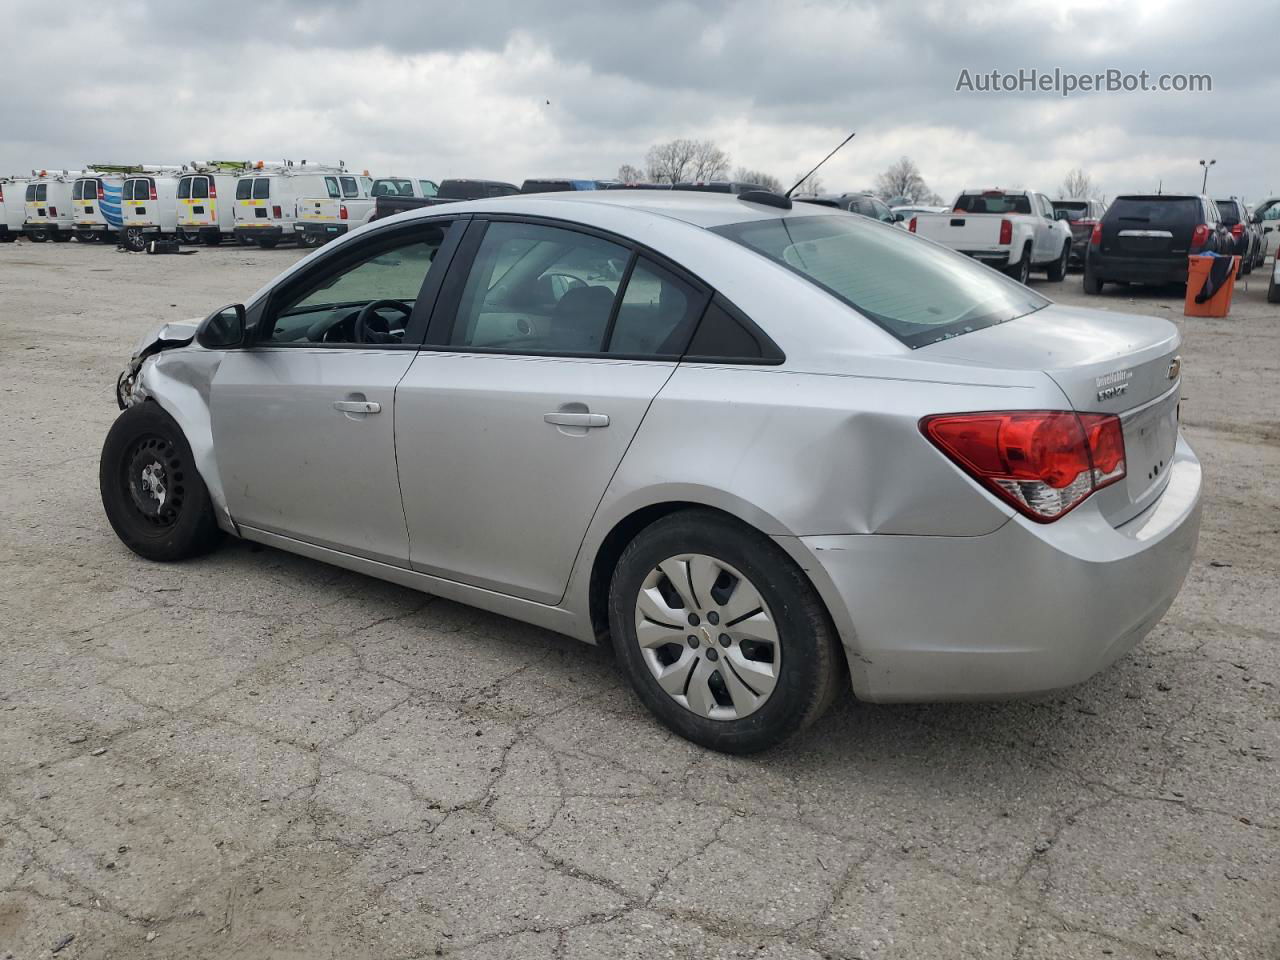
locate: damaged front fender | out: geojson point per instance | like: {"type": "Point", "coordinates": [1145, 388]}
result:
{"type": "Point", "coordinates": [167, 336]}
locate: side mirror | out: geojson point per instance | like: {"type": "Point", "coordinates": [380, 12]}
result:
{"type": "Point", "coordinates": [222, 329]}
{"type": "Point", "coordinates": [898, 217]}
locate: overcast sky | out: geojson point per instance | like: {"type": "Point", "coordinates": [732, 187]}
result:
{"type": "Point", "coordinates": [521, 88]}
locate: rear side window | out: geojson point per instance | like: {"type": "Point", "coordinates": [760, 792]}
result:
{"type": "Point", "coordinates": [992, 201]}
{"type": "Point", "coordinates": [261, 188]}
{"type": "Point", "coordinates": [657, 313]}
{"type": "Point", "coordinates": [726, 337]}
{"type": "Point", "coordinates": [200, 188]}
{"type": "Point", "coordinates": [350, 188]}
{"type": "Point", "coordinates": [429, 189]}
{"type": "Point", "coordinates": [331, 185]}
{"type": "Point", "coordinates": [244, 189]}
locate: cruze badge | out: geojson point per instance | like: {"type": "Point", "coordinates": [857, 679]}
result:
{"type": "Point", "coordinates": [1112, 385]}
{"type": "Point", "coordinates": [1175, 367]}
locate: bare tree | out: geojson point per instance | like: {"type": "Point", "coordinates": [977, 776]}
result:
{"type": "Point", "coordinates": [903, 179]}
{"type": "Point", "coordinates": [630, 174]}
{"type": "Point", "coordinates": [759, 177]}
{"type": "Point", "coordinates": [685, 159]}
{"type": "Point", "coordinates": [812, 184]}
{"type": "Point", "coordinates": [1079, 185]}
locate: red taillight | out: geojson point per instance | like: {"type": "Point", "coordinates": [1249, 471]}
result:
{"type": "Point", "coordinates": [342, 212]}
{"type": "Point", "coordinates": [1006, 231]}
{"type": "Point", "coordinates": [213, 189]}
{"type": "Point", "coordinates": [1095, 238]}
{"type": "Point", "coordinates": [1, 193]}
{"type": "Point", "coordinates": [275, 212]}
{"type": "Point", "coordinates": [151, 190]}
{"type": "Point", "coordinates": [102, 191]}
{"type": "Point", "coordinates": [1238, 231]}
{"type": "Point", "coordinates": [1044, 463]}
{"type": "Point", "coordinates": [1200, 236]}
{"type": "Point", "coordinates": [53, 211]}
{"type": "Point", "coordinates": [912, 225]}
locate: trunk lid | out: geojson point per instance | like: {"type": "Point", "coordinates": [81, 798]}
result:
{"type": "Point", "coordinates": [1157, 226]}
{"type": "Point", "coordinates": [1103, 363]}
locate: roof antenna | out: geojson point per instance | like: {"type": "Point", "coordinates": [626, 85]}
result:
{"type": "Point", "coordinates": [824, 160]}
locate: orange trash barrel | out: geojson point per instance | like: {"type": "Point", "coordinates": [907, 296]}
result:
{"type": "Point", "coordinates": [1219, 305]}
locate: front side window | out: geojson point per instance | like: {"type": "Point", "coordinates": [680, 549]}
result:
{"type": "Point", "coordinates": [244, 189]}
{"type": "Point", "coordinates": [915, 291]}
{"type": "Point", "coordinates": [261, 188]}
{"type": "Point", "coordinates": [538, 289]}
{"type": "Point", "coordinates": [326, 309]}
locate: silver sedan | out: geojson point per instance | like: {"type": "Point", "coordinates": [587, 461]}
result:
{"type": "Point", "coordinates": [765, 452]}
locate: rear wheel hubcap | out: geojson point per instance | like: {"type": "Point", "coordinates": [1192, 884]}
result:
{"type": "Point", "coordinates": [707, 636]}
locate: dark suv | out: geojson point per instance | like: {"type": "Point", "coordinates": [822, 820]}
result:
{"type": "Point", "coordinates": [1147, 238]}
{"type": "Point", "coordinates": [1245, 234]}
{"type": "Point", "coordinates": [863, 203]}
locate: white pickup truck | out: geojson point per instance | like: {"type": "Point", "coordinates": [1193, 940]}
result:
{"type": "Point", "coordinates": [1016, 231]}
{"type": "Point", "coordinates": [347, 206]}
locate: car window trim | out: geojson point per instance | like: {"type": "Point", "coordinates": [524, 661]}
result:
{"type": "Point", "coordinates": [444, 315]}
{"type": "Point", "coordinates": [423, 305]}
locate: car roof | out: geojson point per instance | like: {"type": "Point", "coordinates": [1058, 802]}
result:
{"type": "Point", "coordinates": [693, 207]}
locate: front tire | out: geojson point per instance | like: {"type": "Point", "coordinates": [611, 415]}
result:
{"type": "Point", "coordinates": [152, 493]}
{"type": "Point", "coordinates": [1058, 269]}
{"type": "Point", "coordinates": [721, 634]}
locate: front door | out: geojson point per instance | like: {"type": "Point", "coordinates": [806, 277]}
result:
{"type": "Point", "coordinates": [304, 417]}
{"type": "Point", "coordinates": [511, 422]}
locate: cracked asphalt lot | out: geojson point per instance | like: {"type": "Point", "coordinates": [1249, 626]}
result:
{"type": "Point", "coordinates": [255, 755]}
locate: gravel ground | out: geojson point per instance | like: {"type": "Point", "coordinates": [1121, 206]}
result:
{"type": "Point", "coordinates": [255, 755]}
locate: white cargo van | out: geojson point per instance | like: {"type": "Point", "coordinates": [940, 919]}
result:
{"type": "Point", "coordinates": [206, 200]}
{"type": "Point", "coordinates": [96, 198]}
{"type": "Point", "coordinates": [47, 205]}
{"type": "Point", "coordinates": [267, 198]}
{"type": "Point", "coordinates": [347, 203]}
{"type": "Point", "coordinates": [150, 206]}
{"type": "Point", "coordinates": [13, 192]}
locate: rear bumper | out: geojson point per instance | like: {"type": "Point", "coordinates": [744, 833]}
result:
{"type": "Point", "coordinates": [992, 258]}
{"type": "Point", "coordinates": [1138, 269]}
{"type": "Point", "coordinates": [255, 232]}
{"type": "Point", "coordinates": [92, 228]}
{"type": "Point", "coordinates": [320, 228]}
{"type": "Point", "coordinates": [1026, 609]}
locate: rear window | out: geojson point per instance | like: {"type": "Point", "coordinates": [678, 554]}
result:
{"type": "Point", "coordinates": [1229, 210]}
{"type": "Point", "coordinates": [261, 188]}
{"type": "Point", "coordinates": [992, 201]}
{"type": "Point", "coordinates": [1077, 209]}
{"type": "Point", "coordinates": [391, 187]}
{"type": "Point", "coordinates": [200, 188]}
{"type": "Point", "coordinates": [184, 188]}
{"type": "Point", "coordinates": [138, 189]}
{"type": "Point", "coordinates": [244, 189]}
{"type": "Point", "coordinates": [30, 192]}
{"type": "Point", "coordinates": [914, 291]}
{"type": "Point", "coordinates": [1156, 212]}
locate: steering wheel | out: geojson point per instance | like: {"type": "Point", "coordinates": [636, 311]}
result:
{"type": "Point", "coordinates": [364, 330]}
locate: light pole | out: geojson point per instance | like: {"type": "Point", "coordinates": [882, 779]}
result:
{"type": "Point", "coordinates": [1205, 182]}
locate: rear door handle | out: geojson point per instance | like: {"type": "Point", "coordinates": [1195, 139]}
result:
{"type": "Point", "coordinates": [577, 419]}
{"type": "Point", "coordinates": [357, 406]}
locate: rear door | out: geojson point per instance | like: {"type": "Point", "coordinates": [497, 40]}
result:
{"type": "Point", "coordinates": [542, 359]}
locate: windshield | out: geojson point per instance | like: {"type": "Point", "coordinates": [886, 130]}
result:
{"type": "Point", "coordinates": [993, 201]}
{"type": "Point", "coordinates": [915, 290]}
{"type": "Point", "coordinates": [392, 188]}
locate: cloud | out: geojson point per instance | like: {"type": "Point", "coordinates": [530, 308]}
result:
{"type": "Point", "coordinates": [508, 90]}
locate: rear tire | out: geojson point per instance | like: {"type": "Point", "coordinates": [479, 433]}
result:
{"type": "Point", "coordinates": [153, 495]}
{"type": "Point", "coordinates": [309, 240]}
{"type": "Point", "coordinates": [1021, 271]}
{"type": "Point", "coordinates": [86, 238]}
{"type": "Point", "coordinates": [38, 236]}
{"type": "Point", "coordinates": [1058, 269]}
{"type": "Point", "coordinates": [1092, 282]}
{"type": "Point", "coordinates": [774, 687]}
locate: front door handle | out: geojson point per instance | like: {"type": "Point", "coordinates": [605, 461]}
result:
{"type": "Point", "coordinates": [562, 419]}
{"type": "Point", "coordinates": [357, 406]}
